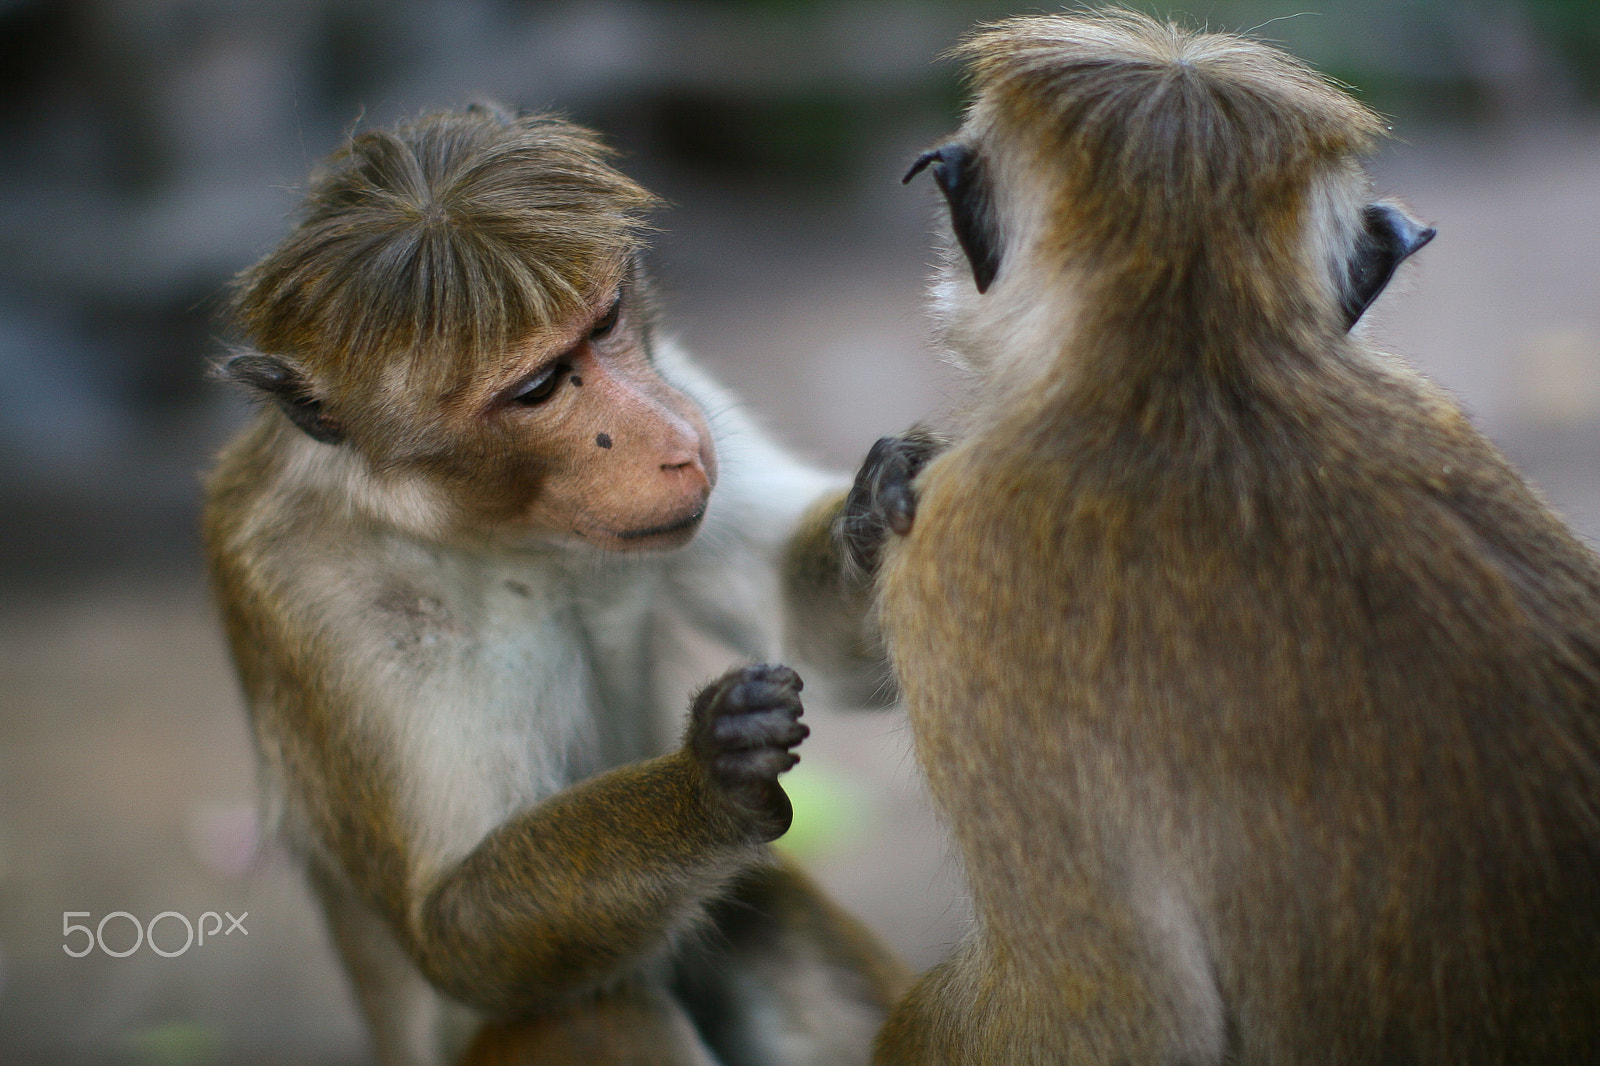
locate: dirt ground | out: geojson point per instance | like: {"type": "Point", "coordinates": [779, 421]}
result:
{"type": "Point", "coordinates": [125, 775]}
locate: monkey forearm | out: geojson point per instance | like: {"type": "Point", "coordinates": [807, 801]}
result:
{"type": "Point", "coordinates": [816, 572]}
{"type": "Point", "coordinates": [578, 890]}
{"type": "Point", "coordinates": [829, 605]}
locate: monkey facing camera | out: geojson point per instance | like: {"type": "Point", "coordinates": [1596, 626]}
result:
{"type": "Point", "coordinates": [445, 549]}
{"type": "Point", "coordinates": [1261, 694]}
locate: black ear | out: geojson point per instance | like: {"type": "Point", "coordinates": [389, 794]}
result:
{"type": "Point", "coordinates": [287, 387]}
{"type": "Point", "coordinates": [959, 172]}
{"type": "Point", "coordinates": [1387, 237]}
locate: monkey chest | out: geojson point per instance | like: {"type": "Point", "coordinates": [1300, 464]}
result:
{"type": "Point", "coordinates": [512, 670]}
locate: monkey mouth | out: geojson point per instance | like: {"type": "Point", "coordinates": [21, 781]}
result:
{"type": "Point", "coordinates": [688, 521]}
{"type": "Point", "coordinates": [669, 534]}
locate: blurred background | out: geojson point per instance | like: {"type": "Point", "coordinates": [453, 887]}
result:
{"type": "Point", "coordinates": [150, 149]}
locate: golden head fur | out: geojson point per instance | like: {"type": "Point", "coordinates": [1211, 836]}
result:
{"type": "Point", "coordinates": [1150, 168]}
{"type": "Point", "coordinates": [429, 247]}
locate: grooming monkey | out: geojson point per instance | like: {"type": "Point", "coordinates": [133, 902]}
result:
{"type": "Point", "coordinates": [1259, 691]}
{"type": "Point", "coordinates": [444, 550]}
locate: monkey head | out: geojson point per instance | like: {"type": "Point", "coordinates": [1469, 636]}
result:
{"type": "Point", "coordinates": [460, 326]}
{"type": "Point", "coordinates": [1100, 169]}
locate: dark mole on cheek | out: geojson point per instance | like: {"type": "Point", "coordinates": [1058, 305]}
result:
{"type": "Point", "coordinates": [603, 439]}
{"type": "Point", "coordinates": [576, 380]}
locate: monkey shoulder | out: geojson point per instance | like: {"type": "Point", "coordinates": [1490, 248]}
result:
{"type": "Point", "coordinates": [957, 568]}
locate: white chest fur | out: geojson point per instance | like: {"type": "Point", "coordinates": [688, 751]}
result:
{"type": "Point", "coordinates": [506, 680]}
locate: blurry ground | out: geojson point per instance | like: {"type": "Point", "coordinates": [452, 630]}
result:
{"type": "Point", "coordinates": [125, 778]}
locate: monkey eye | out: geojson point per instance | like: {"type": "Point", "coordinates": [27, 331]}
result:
{"type": "Point", "coordinates": [608, 321]}
{"type": "Point", "coordinates": [541, 386]}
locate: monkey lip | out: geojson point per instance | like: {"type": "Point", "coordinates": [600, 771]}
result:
{"type": "Point", "coordinates": [687, 522]}
{"type": "Point", "coordinates": [669, 534]}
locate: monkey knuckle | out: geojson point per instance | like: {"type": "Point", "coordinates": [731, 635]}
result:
{"type": "Point", "coordinates": [767, 728]}
{"type": "Point", "coordinates": [881, 449]}
{"type": "Point", "coordinates": [759, 697]}
{"type": "Point", "coordinates": [740, 768]}
{"type": "Point", "coordinates": [734, 676]}
{"type": "Point", "coordinates": [768, 763]}
{"type": "Point", "coordinates": [740, 731]}
{"type": "Point", "coordinates": [723, 741]}
{"type": "Point", "coordinates": [758, 763]}
{"type": "Point", "coordinates": [743, 698]}
{"type": "Point", "coordinates": [785, 676]}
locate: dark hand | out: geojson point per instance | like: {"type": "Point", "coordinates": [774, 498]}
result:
{"type": "Point", "coordinates": [741, 729]}
{"type": "Point", "coordinates": [882, 500]}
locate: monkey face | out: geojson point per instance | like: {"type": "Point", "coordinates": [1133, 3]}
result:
{"type": "Point", "coordinates": [572, 436]}
{"type": "Point", "coordinates": [590, 444]}
{"type": "Point", "coordinates": [464, 350]}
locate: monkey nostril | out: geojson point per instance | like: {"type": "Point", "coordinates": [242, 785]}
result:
{"type": "Point", "coordinates": [685, 474]}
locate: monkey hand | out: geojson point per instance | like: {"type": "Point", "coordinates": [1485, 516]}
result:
{"type": "Point", "coordinates": [741, 729]}
{"type": "Point", "coordinates": [883, 500]}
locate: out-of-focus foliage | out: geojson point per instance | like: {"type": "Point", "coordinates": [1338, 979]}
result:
{"type": "Point", "coordinates": [1573, 29]}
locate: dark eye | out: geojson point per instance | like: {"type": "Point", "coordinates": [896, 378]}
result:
{"type": "Point", "coordinates": [607, 323]}
{"type": "Point", "coordinates": [541, 386]}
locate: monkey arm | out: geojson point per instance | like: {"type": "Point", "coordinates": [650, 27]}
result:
{"type": "Point", "coordinates": [883, 499]}
{"type": "Point", "coordinates": [830, 564]}
{"type": "Point", "coordinates": [828, 604]}
{"type": "Point", "coordinates": [585, 887]}
{"type": "Point", "coordinates": [580, 889]}
{"type": "Point", "coordinates": [763, 575]}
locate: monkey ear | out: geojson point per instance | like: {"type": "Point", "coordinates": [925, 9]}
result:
{"type": "Point", "coordinates": [1387, 237]}
{"type": "Point", "coordinates": [959, 173]}
{"type": "Point", "coordinates": [286, 385]}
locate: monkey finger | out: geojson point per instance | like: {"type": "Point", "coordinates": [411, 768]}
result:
{"type": "Point", "coordinates": [776, 673]}
{"type": "Point", "coordinates": [747, 686]}
{"type": "Point", "coordinates": [863, 532]}
{"type": "Point", "coordinates": [881, 458]}
{"type": "Point", "coordinates": [775, 728]}
{"type": "Point", "coordinates": [748, 697]}
{"type": "Point", "coordinates": [755, 764]}
{"type": "Point", "coordinates": [900, 508]}
{"type": "Point", "coordinates": [729, 694]}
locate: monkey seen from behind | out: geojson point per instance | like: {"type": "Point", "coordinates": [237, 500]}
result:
{"type": "Point", "coordinates": [1261, 694]}
{"type": "Point", "coordinates": [444, 549]}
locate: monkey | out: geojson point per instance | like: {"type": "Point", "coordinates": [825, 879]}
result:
{"type": "Point", "coordinates": [1260, 693]}
{"type": "Point", "coordinates": [478, 487]}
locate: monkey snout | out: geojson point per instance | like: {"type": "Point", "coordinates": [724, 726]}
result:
{"type": "Point", "coordinates": [679, 462]}
{"type": "Point", "coordinates": [687, 474]}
